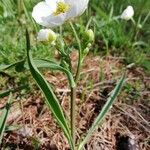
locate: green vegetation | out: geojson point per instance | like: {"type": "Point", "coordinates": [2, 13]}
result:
{"type": "Point", "coordinates": [118, 37]}
{"type": "Point", "coordinates": [128, 40]}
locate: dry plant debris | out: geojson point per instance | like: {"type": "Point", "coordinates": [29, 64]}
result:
{"type": "Point", "coordinates": [127, 126]}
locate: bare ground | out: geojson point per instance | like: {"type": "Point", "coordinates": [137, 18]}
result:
{"type": "Point", "coordinates": [126, 127]}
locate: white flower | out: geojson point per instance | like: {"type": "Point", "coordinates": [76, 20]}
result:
{"type": "Point", "coordinates": [51, 13]}
{"type": "Point", "coordinates": [46, 36]}
{"type": "Point", "coordinates": [127, 13]}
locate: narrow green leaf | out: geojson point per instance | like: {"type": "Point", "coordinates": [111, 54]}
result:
{"type": "Point", "coordinates": [24, 5]}
{"type": "Point", "coordinates": [3, 117]}
{"type": "Point", "coordinates": [5, 67]}
{"type": "Point", "coordinates": [51, 99]}
{"type": "Point", "coordinates": [13, 90]}
{"type": "Point", "coordinates": [43, 63]}
{"type": "Point", "coordinates": [103, 112]}
{"type": "Point", "coordinates": [100, 12]}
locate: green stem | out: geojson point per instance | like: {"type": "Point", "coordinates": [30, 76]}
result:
{"type": "Point", "coordinates": [73, 90]}
{"type": "Point", "coordinates": [135, 33]}
{"type": "Point", "coordinates": [70, 64]}
{"type": "Point", "coordinates": [78, 70]}
{"type": "Point", "coordinates": [77, 76]}
{"type": "Point", "coordinates": [73, 114]}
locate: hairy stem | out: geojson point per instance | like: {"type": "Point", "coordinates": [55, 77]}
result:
{"type": "Point", "coordinates": [73, 90]}
{"type": "Point", "coordinates": [73, 114]}
{"type": "Point", "coordinates": [77, 76]}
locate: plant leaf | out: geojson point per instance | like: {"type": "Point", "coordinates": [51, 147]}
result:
{"type": "Point", "coordinates": [103, 112]}
{"type": "Point", "coordinates": [3, 117]}
{"type": "Point", "coordinates": [5, 67]}
{"type": "Point", "coordinates": [13, 90]}
{"type": "Point", "coordinates": [40, 63]}
{"type": "Point", "coordinates": [27, 14]}
{"type": "Point", "coordinates": [50, 97]}
{"type": "Point", "coordinates": [43, 63]}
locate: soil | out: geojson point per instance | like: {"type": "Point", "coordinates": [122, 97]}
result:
{"type": "Point", "coordinates": [126, 126]}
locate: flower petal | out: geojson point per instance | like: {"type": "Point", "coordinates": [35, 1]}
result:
{"type": "Point", "coordinates": [46, 35]}
{"type": "Point", "coordinates": [40, 11]}
{"type": "Point", "coordinates": [51, 3]}
{"type": "Point", "coordinates": [127, 13]}
{"type": "Point", "coordinates": [53, 20]}
{"type": "Point", "coordinates": [76, 8]}
{"type": "Point", "coordinates": [44, 12]}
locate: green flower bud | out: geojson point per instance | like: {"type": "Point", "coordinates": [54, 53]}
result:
{"type": "Point", "coordinates": [139, 26]}
{"type": "Point", "coordinates": [89, 45]}
{"type": "Point", "coordinates": [60, 43]}
{"type": "Point", "coordinates": [86, 51]}
{"type": "Point", "coordinates": [89, 35]}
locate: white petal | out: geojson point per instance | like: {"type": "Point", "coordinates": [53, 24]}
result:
{"type": "Point", "coordinates": [53, 20]}
{"type": "Point", "coordinates": [40, 11]}
{"type": "Point", "coordinates": [46, 35]}
{"type": "Point", "coordinates": [43, 35]}
{"type": "Point", "coordinates": [128, 13]}
{"type": "Point", "coordinates": [52, 3]}
{"type": "Point", "coordinates": [76, 8]}
{"type": "Point", "coordinates": [43, 12]}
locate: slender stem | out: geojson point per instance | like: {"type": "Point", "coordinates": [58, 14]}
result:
{"type": "Point", "coordinates": [78, 70]}
{"type": "Point", "coordinates": [73, 114]}
{"type": "Point", "coordinates": [135, 33]}
{"type": "Point", "coordinates": [70, 64]}
{"type": "Point", "coordinates": [88, 24]}
{"type": "Point", "coordinates": [80, 53]}
{"type": "Point", "coordinates": [73, 90]}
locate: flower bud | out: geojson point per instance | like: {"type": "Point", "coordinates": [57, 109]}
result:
{"type": "Point", "coordinates": [127, 13]}
{"type": "Point", "coordinates": [46, 36]}
{"type": "Point", "coordinates": [60, 43]}
{"type": "Point", "coordinates": [89, 45]}
{"type": "Point", "coordinates": [89, 35]}
{"type": "Point", "coordinates": [86, 51]}
{"type": "Point", "coordinates": [139, 26]}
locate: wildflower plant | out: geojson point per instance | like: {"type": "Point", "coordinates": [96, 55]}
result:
{"type": "Point", "coordinates": [128, 13]}
{"type": "Point", "coordinates": [50, 14]}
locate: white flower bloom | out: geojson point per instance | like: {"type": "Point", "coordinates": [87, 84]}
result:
{"type": "Point", "coordinates": [51, 13]}
{"type": "Point", "coordinates": [127, 13]}
{"type": "Point", "coordinates": [46, 35]}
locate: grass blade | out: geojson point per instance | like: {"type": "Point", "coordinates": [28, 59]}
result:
{"type": "Point", "coordinates": [103, 112]}
{"type": "Point", "coordinates": [50, 97]}
{"type": "Point", "coordinates": [3, 117]}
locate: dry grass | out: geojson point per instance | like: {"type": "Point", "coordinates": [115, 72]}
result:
{"type": "Point", "coordinates": [129, 118]}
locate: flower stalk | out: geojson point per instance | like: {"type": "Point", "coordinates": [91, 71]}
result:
{"type": "Point", "coordinates": [77, 76]}
{"type": "Point", "coordinates": [73, 90]}
{"type": "Point", "coordinates": [73, 115]}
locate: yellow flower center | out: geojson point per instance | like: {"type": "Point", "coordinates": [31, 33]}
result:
{"type": "Point", "coordinates": [61, 8]}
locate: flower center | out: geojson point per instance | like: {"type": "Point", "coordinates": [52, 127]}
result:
{"type": "Point", "coordinates": [61, 8]}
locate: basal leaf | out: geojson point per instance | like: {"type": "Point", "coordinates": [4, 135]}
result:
{"type": "Point", "coordinates": [13, 90]}
{"type": "Point", "coordinates": [43, 63]}
{"type": "Point", "coordinates": [103, 112]}
{"type": "Point", "coordinates": [4, 67]}
{"type": "Point", "coordinates": [50, 97]}
{"type": "Point", "coordinates": [3, 117]}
